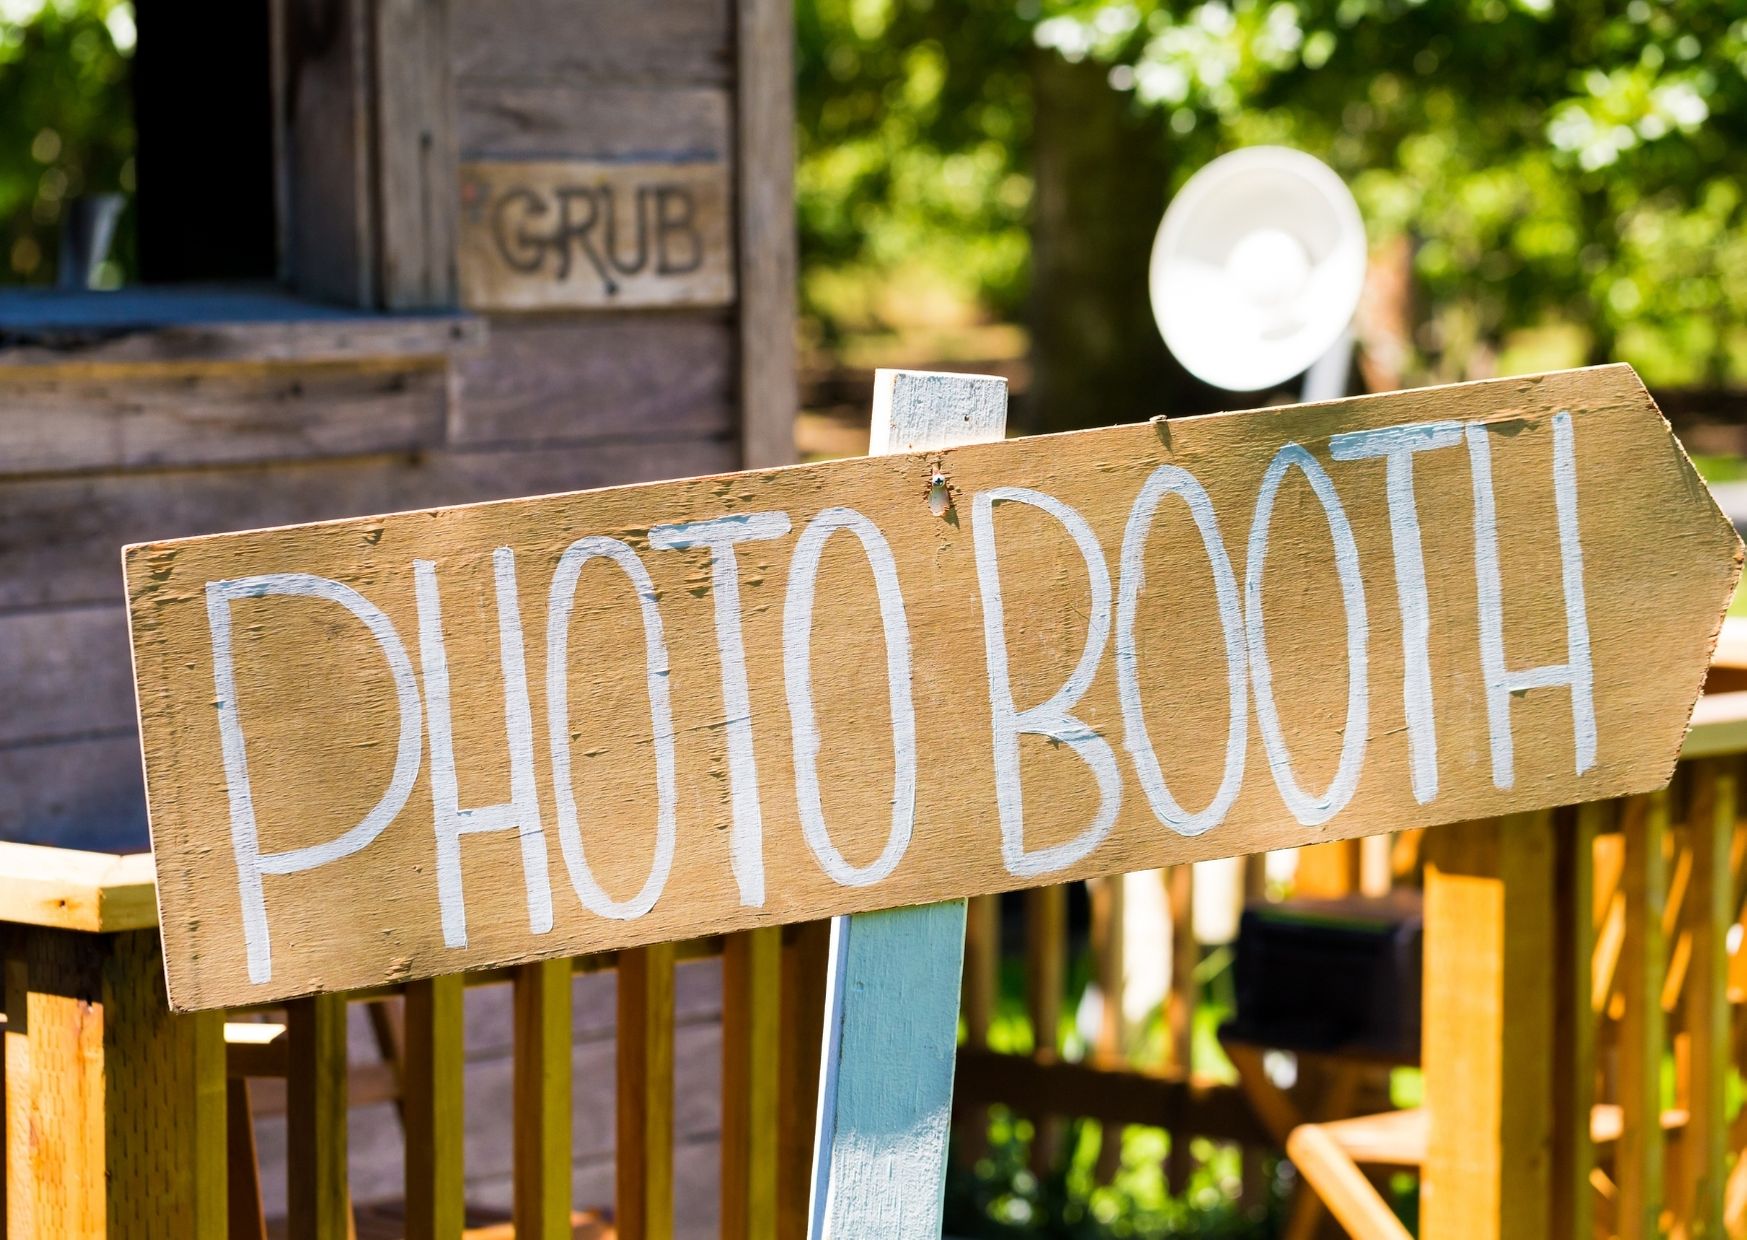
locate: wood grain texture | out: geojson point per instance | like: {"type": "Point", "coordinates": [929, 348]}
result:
{"type": "Point", "coordinates": [1638, 1160]}
{"type": "Point", "coordinates": [433, 1106]}
{"type": "Point", "coordinates": [415, 154]}
{"type": "Point", "coordinates": [593, 234]}
{"type": "Point", "coordinates": [327, 168]}
{"type": "Point", "coordinates": [542, 1099]}
{"type": "Point", "coordinates": [117, 1122]}
{"type": "Point", "coordinates": [806, 955]}
{"type": "Point", "coordinates": [1709, 913]}
{"type": "Point", "coordinates": [1574, 1029]}
{"type": "Point", "coordinates": [1488, 1026]}
{"type": "Point", "coordinates": [583, 377]}
{"type": "Point", "coordinates": [155, 328]}
{"type": "Point", "coordinates": [675, 43]}
{"type": "Point", "coordinates": [318, 769]}
{"type": "Point", "coordinates": [61, 533]}
{"type": "Point", "coordinates": [319, 1201]}
{"type": "Point", "coordinates": [751, 1072]}
{"type": "Point", "coordinates": [65, 889]}
{"type": "Point", "coordinates": [573, 120]}
{"type": "Point", "coordinates": [643, 1201]}
{"type": "Point", "coordinates": [764, 126]}
{"type": "Point", "coordinates": [57, 423]}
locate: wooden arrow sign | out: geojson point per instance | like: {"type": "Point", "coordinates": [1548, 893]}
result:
{"type": "Point", "coordinates": [398, 746]}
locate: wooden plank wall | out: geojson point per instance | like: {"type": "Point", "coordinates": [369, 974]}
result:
{"type": "Point", "coordinates": [94, 455]}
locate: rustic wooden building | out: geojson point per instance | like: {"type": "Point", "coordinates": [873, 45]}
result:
{"type": "Point", "coordinates": [397, 253]}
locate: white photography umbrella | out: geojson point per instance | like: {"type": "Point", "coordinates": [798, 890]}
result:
{"type": "Point", "coordinates": [1256, 271]}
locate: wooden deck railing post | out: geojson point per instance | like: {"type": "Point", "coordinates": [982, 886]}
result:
{"type": "Point", "coordinates": [1710, 910]}
{"type": "Point", "coordinates": [1643, 960]}
{"type": "Point", "coordinates": [432, 1103]}
{"type": "Point", "coordinates": [1489, 1021]}
{"type": "Point", "coordinates": [542, 1089]}
{"type": "Point", "coordinates": [751, 1023]}
{"type": "Point", "coordinates": [116, 1118]}
{"type": "Point", "coordinates": [645, 1104]}
{"type": "Point", "coordinates": [319, 1204]}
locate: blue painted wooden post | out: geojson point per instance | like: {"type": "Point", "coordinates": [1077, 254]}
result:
{"type": "Point", "coordinates": [891, 1003]}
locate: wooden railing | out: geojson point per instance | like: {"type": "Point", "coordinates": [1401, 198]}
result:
{"type": "Point", "coordinates": [1584, 1015]}
{"type": "Point", "coordinates": [122, 1119]}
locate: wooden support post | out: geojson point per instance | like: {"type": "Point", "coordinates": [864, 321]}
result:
{"type": "Point", "coordinates": [806, 949]}
{"type": "Point", "coordinates": [1179, 883]}
{"type": "Point", "coordinates": [417, 178]}
{"type": "Point", "coordinates": [645, 1105]}
{"type": "Point", "coordinates": [1488, 1029]}
{"type": "Point", "coordinates": [887, 1090]}
{"type": "Point", "coordinates": [1643, 957]}
{"type": "Point", "coordinates": [764, 162]}
{"type": "Point", "coordinates": [116, 1115]}
{"type": "Point", "coordinates": [1574, 1020]}
{"type": "Point", "coordinates": [248, 1216]}
{"type": "Point", "coordinates": [1046, 974]}
{"type": "Point", "coordinates": [319, 1205]}
{"type": "Point", "coordinates": [542, 1100]}
{"type": "Point", "coordinates": [751, 1037]}
{"type": "Point", "coordinates": [879, 1159]}
{"type": "Point", "coordinates": [432, 1105]}
{"type": "Point", "coordinates": [978, 993]}
{"type": "Point", "coordinates": [1710, 909]}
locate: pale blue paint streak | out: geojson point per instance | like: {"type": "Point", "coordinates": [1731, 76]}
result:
{"type": "Point", "coordinates": [886, 1096]}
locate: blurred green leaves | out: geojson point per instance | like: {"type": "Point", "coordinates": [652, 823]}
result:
{"type": "Point", "coordinates": [66, 122]}
{"type": "Point", "coordinates": [1570, 170]}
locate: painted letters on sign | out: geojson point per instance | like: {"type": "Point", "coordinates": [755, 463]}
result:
{"type": "Point", "coordinates": [397, 746]}
{"type": "Point", "coordinates": [580, 233]}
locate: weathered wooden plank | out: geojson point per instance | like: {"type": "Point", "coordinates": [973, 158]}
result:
{"type": "Point", "coordinates": [133, 1096]}
{"type": "Point", "coordinates": [764, 127]}
{"type": "Point", "coordinates": [751, 1046]}
{"type": "Point", "coordinates": [1488, 1027]}
{"type": "Point", "coordinates": [319, 1205]}
{"type": "Point", "coordinates": [1577, 704]}
{"type": "Point", "coordinates": [557, 379]}
{"type": "Point", "coordinates": [509, 120]}
{"type": "Point", "coordinates": [1709, 914]}
{"type": "Point", "coordinates": [1638, 1160]}
{"type": "Point", "coordinates": [157, 328]}
{"type": "Point", "coordinates": [65, 889]}
{"type": "Point", "coordinates": [327, 165]}
{"type": "Point", "coordinates": [66, 673]}
{"type": "Point", "coordinates": [59, 540]}
{"type": "Point", "coordinates": [676, 43]}
{"type": "Point", "coordinates": [1574, 1029]}
{"type": "Point", "coordinates": [415, 154]}
{"type": "Point", "coordinates": [1046, 977]}
{"type": "Point", "coordinates": [20, 1215]}
{"type": "Point", "coordinates": [433, 1107]}
{"type": "Point", "coordinates": [595, 234]}
{"type": "Point", "coordinates": [55, 423]}
{"type": "Point", "coordinates": [643, 1202]}
{"type": "Point", "coordinates": [541, 1126]}
{"type": "Point", "coordinates": [83, 794]}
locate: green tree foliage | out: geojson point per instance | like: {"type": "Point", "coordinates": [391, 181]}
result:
{"type": "Point", "coordinates": [1572, 169]}
{"type": "Point", "coordinates": [66, 122]}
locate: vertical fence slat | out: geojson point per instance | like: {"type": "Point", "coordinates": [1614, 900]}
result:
{"type": "Point", "coordinates": [1488, 1029]}
{"type": "Point", "coordinates": [248, 1217]}
{"type": "Point", "coordinates": [318, 1205]}
{"type": "Point", "coordinates": [1046, 968]}
{"type": "Point", "coordinates": [20, 1217]}
{"type": "Point", "coordinates": [751, 1038]}
{"type": "Point", "coordinates": [645, 1120]}
{"type": "Point", "coordinates": [1710, 910]}
{"type": "Point", "coordinates": [432, 1108]}
{"type": "Point", "coordinates": [1644, 882]}
{"type": "Point", "coordinates": [1180, 1006]}
{"type": "Point", "coordinates": [1574, 1021]}
{"type": "Point", "coordinates": [806, 949]}
{"type": "Point", "coordinates": [541, 1121]}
